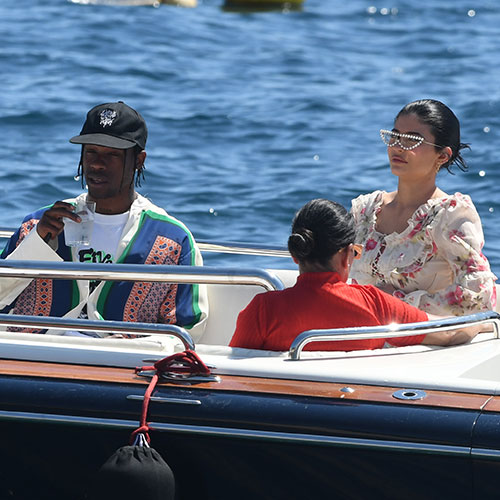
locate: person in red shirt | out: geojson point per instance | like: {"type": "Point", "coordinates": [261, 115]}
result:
{"type": "Point", "coordinates": [322, 244]}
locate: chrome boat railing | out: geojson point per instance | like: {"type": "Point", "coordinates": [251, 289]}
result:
{"type": "Point", "coordinates": [139, 272]}
{"type": "Point", "coordinates": [243, 248]}
{"type": "Point", "coordinates": [394, 330]}
{"type": "Point", "coordinates": [91, 326]}
{"type": "Point", "coordinates": [6, 233]}
{"type": "Point", "coordinates": [125, 272]}
{"type": "Point", "coordinates": [218, 247]}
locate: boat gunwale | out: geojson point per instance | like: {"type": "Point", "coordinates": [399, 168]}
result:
{"type": "Point", "coordinates": [256, 385]}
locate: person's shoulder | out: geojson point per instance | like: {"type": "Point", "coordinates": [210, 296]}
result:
{"type": "Point", "coordinates": [375, 294]}
{"type": "Point", "coordinates": [260, 302]}
{"type": "Point", "coordinates": [157, 213]}
{"type": "Point", "coordinates": [141, 203]}
{"type": "Point", "coordinates": [367, 197]}
{"type": "Point", "coordinates": [272, 299]}
{"type": "Point", "coordinates": [367, 290]}
{"type": "Point", "coordinates": [451, 201]}
{"type": "Point", "coordinates": [456, 205]}
{"type": "Point", "coordinates": [364, 201]}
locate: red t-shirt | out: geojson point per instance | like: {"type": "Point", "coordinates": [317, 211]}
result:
{"type": "Point", "coordinates": [272, 320]}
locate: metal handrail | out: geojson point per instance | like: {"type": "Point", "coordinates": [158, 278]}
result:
{"type": "Point", "coordinates": [6, 233]}
{"type": "Point", "coordinates": [243, 248]}
{"type": "Point", "coordinates": [231, 247]}
{"type": "Point", "coordinates": [389, 331]}
{"type": "Point", "coordinates": [139, 272]}
{"type": "Point", "coordinates": [87, 325]}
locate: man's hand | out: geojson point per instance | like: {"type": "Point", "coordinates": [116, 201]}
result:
{"type": "Point", "coordinates": [51, 224]}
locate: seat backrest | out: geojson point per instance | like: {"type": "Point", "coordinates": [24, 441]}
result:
{"type": "Point", "coordinates": [226, 302]}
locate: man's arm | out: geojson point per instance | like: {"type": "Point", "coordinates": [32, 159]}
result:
{"type": "Point", "coordinates": [37, 244]}
{"type": "Point", "coordinates": [192, 300]}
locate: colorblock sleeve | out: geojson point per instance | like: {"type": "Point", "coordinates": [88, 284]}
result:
{"type": "Point", "coordinates": [191, 301]}
{"type": "Point", "coordinates": [458, 237]}
{"type": "Point", "coordinates": [23, 245]}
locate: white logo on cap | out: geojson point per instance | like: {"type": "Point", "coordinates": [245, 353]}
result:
{"type": "Point", "coordinates": [107, 116]}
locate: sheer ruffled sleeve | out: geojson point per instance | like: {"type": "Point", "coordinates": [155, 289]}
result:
{"type": "Point", "coordinates": [458, 238]}
{"type": "Point", "coordinates": [363, 209]}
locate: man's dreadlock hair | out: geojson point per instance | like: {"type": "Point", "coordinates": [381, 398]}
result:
{"type": "Point", "coordinates": [140, 171]}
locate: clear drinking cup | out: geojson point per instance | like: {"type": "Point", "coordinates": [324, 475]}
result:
{"type": "Point", "coordinates": [79, 233]}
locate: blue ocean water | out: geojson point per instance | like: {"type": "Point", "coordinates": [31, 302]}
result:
{"type": "Point", "coordinates": [250, 114]}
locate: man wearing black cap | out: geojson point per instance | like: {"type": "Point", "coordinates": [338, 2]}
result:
{"type": "Point", "coordinates": [127, 228]}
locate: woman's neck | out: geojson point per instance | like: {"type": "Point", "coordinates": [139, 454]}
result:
{"type": "Point", "coordinates": [412, 195]}
{"type": "Point", "coordinates": [338, 263]}
{"type": "Point", "coordinates": [399, 206]}
{"type": "Point", "coordinates": [314, 267]}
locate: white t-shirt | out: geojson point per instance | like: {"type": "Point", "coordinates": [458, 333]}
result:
{"type": "Point", "coordinates": [106, 233]}
{"type": "Point", "coordinates": [104, 241]}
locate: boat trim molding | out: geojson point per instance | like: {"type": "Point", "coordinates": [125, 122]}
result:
{"type": "Point", "coordinates": [285, 437]}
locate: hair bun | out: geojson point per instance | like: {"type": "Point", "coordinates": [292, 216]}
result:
{"type": "Point", "coordinates": [301, 243]}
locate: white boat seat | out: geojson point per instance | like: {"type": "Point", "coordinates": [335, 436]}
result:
{"type": "Point", "coordinates": [226, 302]}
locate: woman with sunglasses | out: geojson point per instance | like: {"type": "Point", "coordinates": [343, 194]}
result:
{"type": "Point", "coordinates": [421, 244]}
{"type": "Point", "coordinates": [322, 244]}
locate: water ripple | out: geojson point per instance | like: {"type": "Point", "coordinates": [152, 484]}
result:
{"type": "Point", "coordinates": [250, 114]}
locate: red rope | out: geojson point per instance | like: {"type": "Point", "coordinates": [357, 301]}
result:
{"type": "Point", "coordinates": [186, 362]}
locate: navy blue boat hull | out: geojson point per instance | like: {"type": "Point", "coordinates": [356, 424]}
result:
{"type": "Point", "coordinates": [226, 444]}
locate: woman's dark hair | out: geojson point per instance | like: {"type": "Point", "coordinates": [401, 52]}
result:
{"type": "Point", "coordinates": [444, 126]}
{"type": "Point", "coordinates": [319, 230]}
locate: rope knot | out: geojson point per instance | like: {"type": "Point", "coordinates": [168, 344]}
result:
{"type": "Point", "coordinates": [182, 363]}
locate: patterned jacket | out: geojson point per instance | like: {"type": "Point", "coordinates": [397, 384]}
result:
{"type": "Point", "coordinates": [150, 236]}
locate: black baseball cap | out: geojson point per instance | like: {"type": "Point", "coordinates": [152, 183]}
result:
{"type": "Point", "coordinates": [114, 125]}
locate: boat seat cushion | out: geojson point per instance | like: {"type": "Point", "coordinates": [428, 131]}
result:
{"type": "Point", "coordinates": [226, 302]}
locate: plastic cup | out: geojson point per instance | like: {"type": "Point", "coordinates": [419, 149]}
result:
{"type": "Point", "coordinates": [79, 233]}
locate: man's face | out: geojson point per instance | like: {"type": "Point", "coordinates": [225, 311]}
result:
{"type": "Point", "coordinates": [108, 172]}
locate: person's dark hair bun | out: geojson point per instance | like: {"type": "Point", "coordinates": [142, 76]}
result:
{"type": "Point", "coordinates": [319, 230]}
{"type": "Point", "coordinates": [301, 243]}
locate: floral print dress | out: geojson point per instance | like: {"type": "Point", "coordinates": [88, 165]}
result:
{"type": "Point", "coordinates": [435, 264]}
